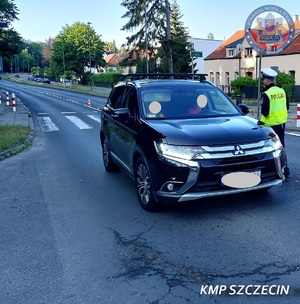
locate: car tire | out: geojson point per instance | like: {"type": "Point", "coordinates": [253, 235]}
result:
{"type": "Point", "coordinates": [109, 165]}
{"type": "Point", "coordinates": [143, 185]}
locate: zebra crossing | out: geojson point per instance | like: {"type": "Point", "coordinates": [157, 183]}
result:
{"type": "Point", "coordinates": [47, 121]}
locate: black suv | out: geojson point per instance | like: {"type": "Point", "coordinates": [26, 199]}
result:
{"type": "Point", "coordinates": [184, 139]}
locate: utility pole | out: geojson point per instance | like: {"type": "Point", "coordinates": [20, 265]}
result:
{"type": "Point", "coordinates": [90, 58]}
{"type": "Point", "coordinates": [64, 61]}
{"type": "Point", "coordinates": [146, 34]}
{"type": "Point", "coordinates": [170, 55]}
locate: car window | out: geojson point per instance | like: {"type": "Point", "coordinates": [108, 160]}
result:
{"type": "Point", "coordinates": [186, 102]}
{"type": "Point", "coordinates": [116, 97]}
{"type": "Point", "coordinates": [130, 101]}
{"type": "Point", "coordinates": [156, 103]}
{"type": "Point", "coordinates": [221, 103]}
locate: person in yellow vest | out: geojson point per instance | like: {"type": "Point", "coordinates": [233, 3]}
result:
{"type": "Point", "coordinates": [274, 107]}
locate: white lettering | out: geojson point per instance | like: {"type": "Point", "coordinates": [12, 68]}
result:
{"type": "Point", "coordinates": [248, 290]}
{"type": "Point", "coordinates": [203, 289]}
{"type": "Point", "coordinates": [240, 291]}
{"type": "Point", "coordinates": [284, 289]}
{"type": "Point", "coordinates": [249, 293]}
{"type": "Point", "coordinates": [256, 290]}
{"type": "Point", "coordinates": [264, 290]}
{"type": "Point", "coordinates": [212, 290]}
{"type": "Point", "coordinates": [232, 290]}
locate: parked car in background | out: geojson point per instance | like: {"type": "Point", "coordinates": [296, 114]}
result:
{"type": "Point", "coordinates": [39, 79]}
{"type": "Point", "coordinates": [184, 139]}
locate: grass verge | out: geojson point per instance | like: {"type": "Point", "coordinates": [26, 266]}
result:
{"type": "Point", "coordinates": [11, 136]}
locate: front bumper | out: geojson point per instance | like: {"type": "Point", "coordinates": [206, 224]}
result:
{"type": "Point", "coordinates": [204, 177]}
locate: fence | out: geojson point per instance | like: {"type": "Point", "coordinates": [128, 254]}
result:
{"type": "Point", "coordinates": [251, 92]}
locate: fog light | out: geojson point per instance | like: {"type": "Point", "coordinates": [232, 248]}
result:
{"type": "Point", "coordinates": [170, 187]}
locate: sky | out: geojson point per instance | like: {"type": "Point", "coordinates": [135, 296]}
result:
{"type": "Point", "coordinates": [42, 19]}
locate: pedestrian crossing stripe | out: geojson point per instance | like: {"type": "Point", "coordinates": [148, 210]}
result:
{"type": "Point", "coordinates": [79, 123]}
{"type": "Point", "coordinates": [94, 118]}
{"type": "Point", "coordinates": [47, 125]}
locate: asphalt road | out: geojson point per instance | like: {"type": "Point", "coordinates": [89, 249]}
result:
{"type": "Point", "coordinates": [72, 233]}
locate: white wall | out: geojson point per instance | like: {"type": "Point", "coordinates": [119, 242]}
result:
{"type": "Point", "coordinates": [206, 46]}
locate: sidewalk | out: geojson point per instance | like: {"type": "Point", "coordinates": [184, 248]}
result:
{"type": "Point", "coordinates": [21, 116]}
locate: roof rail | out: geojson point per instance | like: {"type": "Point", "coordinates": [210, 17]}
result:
{"type": "Point", "coordinates": [137, 76]}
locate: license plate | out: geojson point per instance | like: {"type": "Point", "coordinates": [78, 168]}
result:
{"type": "Point", "coordinates": [241, 179]}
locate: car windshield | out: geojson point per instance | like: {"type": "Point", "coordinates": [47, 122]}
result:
{"type": "Point", "coordinates": [186, 102]}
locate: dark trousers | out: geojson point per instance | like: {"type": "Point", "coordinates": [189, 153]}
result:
{"type": "Point", "coordinates": [279, 130]}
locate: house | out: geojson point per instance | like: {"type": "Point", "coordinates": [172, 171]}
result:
{"type": "Point", "coordinates": [112, 60]}
{"type": "Point", "coordinates": [205, 47]}
{"type": "Point", "coordinates": [235, 57]}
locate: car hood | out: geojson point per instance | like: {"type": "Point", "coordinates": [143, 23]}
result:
{"type": "Point", "coordinates": [209, 131]}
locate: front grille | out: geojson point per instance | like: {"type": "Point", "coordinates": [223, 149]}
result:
{"type": "Point", "coordinates": [237, 151]}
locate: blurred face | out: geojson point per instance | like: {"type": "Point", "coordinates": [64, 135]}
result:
{"type": "Point", "coordinates": [267, 81]}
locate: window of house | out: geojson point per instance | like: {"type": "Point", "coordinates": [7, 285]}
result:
{"type": "Point", "coordinates": [211, 77]}
{"type": "Point", "coordinates": [249, 74]}
{"type": "Point", "coordinates": [248, 52]}
{"type": "Point", "coordinates": [230, 52]}
{"type": "Point", "coordinates": [218, 80]}
{"type": "Point", "coordinates": [227, 78]}
{"type": "Point", "coordinates": [236, 75]}
{"type": "Point", "coordinates": [292, 73]}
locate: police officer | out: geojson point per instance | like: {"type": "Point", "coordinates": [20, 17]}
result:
{"type": "Point", "coordinates": [274, 108]}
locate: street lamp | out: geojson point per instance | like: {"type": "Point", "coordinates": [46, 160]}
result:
{"type": "Point", "coordinates": [90, 58]}
{"type": "Point", "coordinates": [27, 61]}
{"type": "Point", "coordinates": [64, 62]}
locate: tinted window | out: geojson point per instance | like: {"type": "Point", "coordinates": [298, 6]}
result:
{"type": "Point", "coordinates": [116, 97]}
{"type": "Point", "coordinates": [186, 102]}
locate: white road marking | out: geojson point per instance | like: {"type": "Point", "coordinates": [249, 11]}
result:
{"type": "Point", "coordinates": [47, 125]}
{"type": "Point", "coordinates": [293, 133]}
{"type": "Point", "coordinates": [79, 123]}
{"type": "Point", "coordinates": [96, 118]}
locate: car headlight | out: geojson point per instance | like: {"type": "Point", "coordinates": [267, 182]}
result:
{"type": "Point", "coordinates": [183, 152]}
{"type": "Point", "coordinates": [274, 142]}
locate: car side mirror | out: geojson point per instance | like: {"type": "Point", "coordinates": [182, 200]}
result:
{"type": "Point", "coordinates": [243, 108]}
{"type": "Point", "coordinates": [121, 113]}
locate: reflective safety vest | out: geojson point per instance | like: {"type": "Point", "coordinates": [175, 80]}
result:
{"type": "Point", "coordinates": [278, 112]}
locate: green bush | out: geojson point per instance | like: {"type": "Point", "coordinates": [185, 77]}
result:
{"type": "Point", "coordinates": [287, 82]}
{"type": "Point", "coordinates": [106, 79]}
{"type": "Point", "coordinates": [238, 83]}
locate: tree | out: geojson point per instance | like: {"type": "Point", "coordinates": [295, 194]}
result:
{"type": "Point", "coordinates": [111, 47]}
{"type": "Point", "coordinates": [10, 43]}
{"type": "Point", "coordinates": [149, 18]}
{"type": "Point", "coordinates": [9, 11]}
{"type": "Point", "coordinates": [9, 38]}
{"type": "Point", "coordinates": [179, 43]}
{"type": "Point", "coordinates": [164, 30]}
{"type": "Point", "coordinates": [73, 48]}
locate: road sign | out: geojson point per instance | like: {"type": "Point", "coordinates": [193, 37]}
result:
{"type": "Point", "coordinates": [196, 54]}
{"type": "Point", "coordinates": [3, 24]}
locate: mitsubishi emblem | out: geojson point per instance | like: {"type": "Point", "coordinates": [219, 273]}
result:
{"type": "Point", "coordinates": [238, 150]}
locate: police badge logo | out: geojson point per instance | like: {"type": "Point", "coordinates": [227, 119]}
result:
{"type": "Point", "coordinates": [269, 29]}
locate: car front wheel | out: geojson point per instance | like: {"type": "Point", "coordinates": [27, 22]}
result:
{"type": "Point", "coordinates": [143, 186]}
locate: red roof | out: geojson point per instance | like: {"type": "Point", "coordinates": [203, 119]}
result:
{"type": "Point", "coordinates": [113, 60]}
{"type": "Point", "coordinates": [220, 52]}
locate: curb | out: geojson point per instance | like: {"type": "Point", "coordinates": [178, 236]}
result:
{"type": "Point", "coordinates": [14, 150]}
